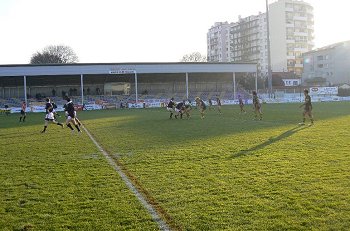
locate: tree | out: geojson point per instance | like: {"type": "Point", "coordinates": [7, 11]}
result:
{"type": "Point", "coordinates": [54, 54]}
{"type": "Point", "coordinates": [248, 82]}
{"type": "Point", "coordinates": [194, 57]}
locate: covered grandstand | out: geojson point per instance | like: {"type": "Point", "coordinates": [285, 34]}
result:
{"type": "Point", "coordinates": [113, 83]}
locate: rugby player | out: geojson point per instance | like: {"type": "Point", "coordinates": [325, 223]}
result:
{"type": "Point", "coordinates": [170, 107]}
{"type": "Point", "coordinates": [23, 112]}
{"type": "Point", "coordinates": [71, 115]}
{"type": "Point", "coordinates": [307, 108]}
{"type": "Point", "coordinates": [218, 104]}
{"type": "Point", "coordinates": [201, 106]}
{"type": "Point", "coordinates": [257, 106]}
{"type": "Point", "coordinates": [241, 104]}
{"type": "Point", "coordinates": [49, 117]}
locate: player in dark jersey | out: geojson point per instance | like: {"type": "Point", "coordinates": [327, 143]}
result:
{"type": "Point", "coordinates": [307, 108]}
{"type": "Point", "coordinates": [257, 106]}
{"type": "Point", "coordinates": [48, 105]}
{"type": "Point", "coordinates": [201, 106]}
{"type": "Point", "coordinates": [71, 115]}
{"type": "Point", "coordinates": [170, 107]}
{"type": "Point", "coordinates": [23, 112]}
{"type": "Point", "coordinates": [241, 104]}
{"type": "Point", "coordinates": [218, 104]}
{"type": "Point", "coordinates": [49, 117]}
{"type": "Point", "coordinates": [54, 106]}
{"type": "Point", "coordinates": [179, 109]}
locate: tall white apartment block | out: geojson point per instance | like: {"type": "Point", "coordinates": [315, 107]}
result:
{"type": "Point", "coordinates": [291, 34]}
{"type": "Point", "coordinates": [248, 41]}
{"type": "Point", "coordinates": [218, 43]}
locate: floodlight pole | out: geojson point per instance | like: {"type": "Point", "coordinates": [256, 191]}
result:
{"type": "Point", "coordinates": [256, 80]}
{"type": "Point", "coordinates": [269, 78]}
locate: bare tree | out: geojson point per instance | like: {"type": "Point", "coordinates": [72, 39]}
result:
{"type": "Point", "coordinates": [54, 54]}
{"type": "Point", "coordinates": [194, 57]}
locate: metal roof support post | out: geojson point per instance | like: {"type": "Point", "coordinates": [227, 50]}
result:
{"type": "Point", "coordinates": [187, 85]}
{"type": "Point", "coordinates": [256, 80]}
{"type": "Point", "coordinates": [234, 84]}
{"type": "Point", "coordinates": [25, 88]}
{"type": "Point", "coordinates": [136, 97]}
{"type": "Point", "coordinates": [82, 88]}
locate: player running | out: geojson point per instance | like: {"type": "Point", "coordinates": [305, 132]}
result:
{"type": "Point", "coordinates": [257, 106]}
{"type": "Point", "coordinates": [307, 108]}
{"type": "Point", "coordinates": [49, 117]}
{"type": "Point", "coordinates": [71, 114]}
{"type": "Point", "coordinates": [23, 112]}
{"type": "Point", "coordinates": [201, 106]}
{"type": "Point", "coordinates": [170, 107]}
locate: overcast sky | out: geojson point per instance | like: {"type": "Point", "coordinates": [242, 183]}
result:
{"type": "Point", "coordinates": [137, 30]}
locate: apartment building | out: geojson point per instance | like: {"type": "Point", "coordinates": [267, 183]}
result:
{"type": "Point", "coordinates": [291, 34]}
{"type": "Point", "coordinates": [248, 41]}
{"type": "Point", "coordinates": [218, 43]}
{"type": "Point", "coordinates": [328, 65]}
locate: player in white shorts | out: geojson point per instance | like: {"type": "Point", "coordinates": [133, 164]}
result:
{"type": "Point", "coordinates": [50, 118]}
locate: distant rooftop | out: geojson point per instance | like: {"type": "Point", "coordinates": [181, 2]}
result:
{"type": "Point", "coordinates": [332, 46]}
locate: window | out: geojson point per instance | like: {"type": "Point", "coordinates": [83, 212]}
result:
{"type": "Point", "coordinates": [320, 58]}
{"type": "Point", "coordinates": [320, 65]}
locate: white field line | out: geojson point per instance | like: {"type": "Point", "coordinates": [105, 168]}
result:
{"type": "Point", "coordinates": [162, 224]}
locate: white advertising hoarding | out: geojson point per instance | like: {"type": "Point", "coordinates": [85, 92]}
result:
{"type": "Point", "coordinates": [324, 91]}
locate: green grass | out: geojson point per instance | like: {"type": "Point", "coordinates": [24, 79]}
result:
{"type": "Point", "coordinates": [57, 181]}
{"type": "Point", "coordinates": [225, 172]}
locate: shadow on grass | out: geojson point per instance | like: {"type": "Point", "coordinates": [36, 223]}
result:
{"type": "Point", "coordinates": [270, 141]}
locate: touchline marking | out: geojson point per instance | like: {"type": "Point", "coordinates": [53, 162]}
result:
{"type": "Point", "coordinates": [162, 225]}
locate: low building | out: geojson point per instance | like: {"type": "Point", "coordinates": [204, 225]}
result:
{"type": "Point", "coordinates": [327, 66]}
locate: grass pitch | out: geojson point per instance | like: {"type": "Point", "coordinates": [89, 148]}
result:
{"type": "Point", "coordinates": [226, 172]}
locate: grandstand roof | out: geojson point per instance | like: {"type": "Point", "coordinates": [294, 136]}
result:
{"type": "Point", "coordinates": [124, 68]}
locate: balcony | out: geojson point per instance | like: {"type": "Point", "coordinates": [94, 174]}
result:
{"type": "Point", "coordinates": [300, 18]}
{"type": "Point", "coordinates": [301, 34]}
{"type": "Point", "coordinates": [298, 65]}
{"type": "Point", "coordinates": [299, 49]}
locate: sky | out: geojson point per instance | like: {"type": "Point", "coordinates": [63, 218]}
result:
{"type": "Point", "coordinates": [116, 31]}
